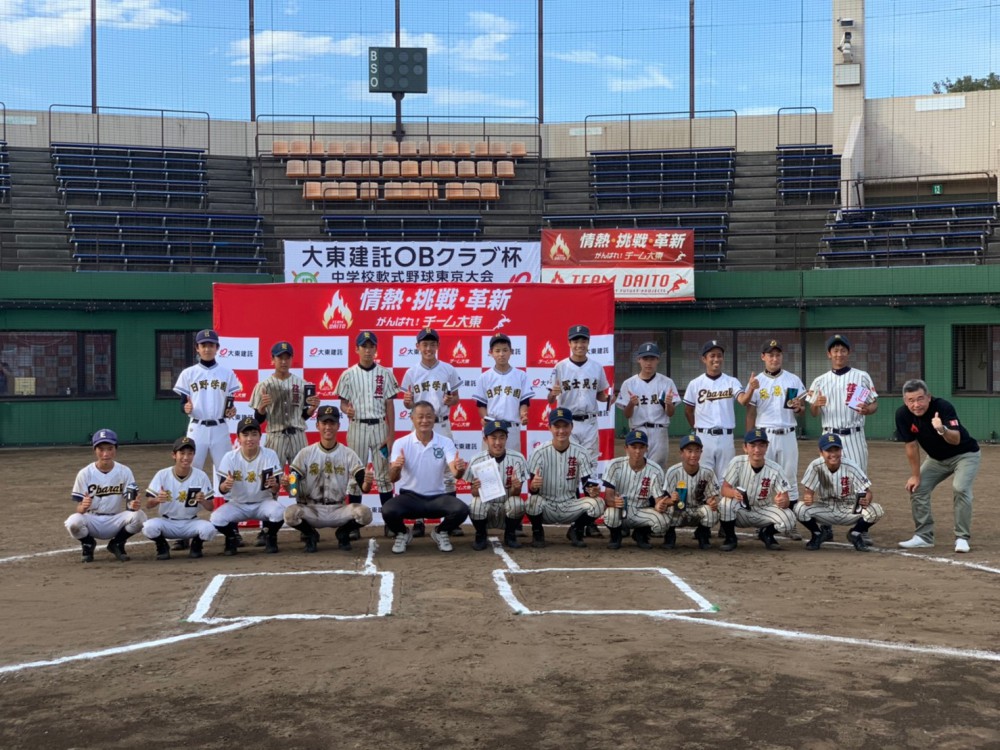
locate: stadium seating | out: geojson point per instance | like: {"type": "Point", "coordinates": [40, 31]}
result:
{"type": "Point", "coordinates": [808, 173]}
{"type": "Point", "coordinates": [404, 226]}
{"type": "Point", "coordinates": [663, 177]}
{"type": "Point", "coordinates": [4, 174]}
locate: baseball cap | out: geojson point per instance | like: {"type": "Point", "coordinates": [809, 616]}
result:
{"type": "Point", "coordinates": [772, 344]}
{"type": "Point", "coordinates": [636, 436]}
{"type": "Point", "coordinates": [494, 426]}
{"type": "Point", "coordinates": [428, 334]}
{"type": "Point", "coordinates": [282, 347]}
{"type": "Point", "coordinates": [328, 414]}
{"type": "Point", "coordinates": [183, 442]}
{"type": "Point", "coordinates": [500, 338]}
{"type": "Point", "coordinates": [649, 349]}
{"type": "Point", "coordinates": [246, 424]}
{"type": "Point", "coordinates": [560, 415]}
{"type": "Point", "coordinates": [710, 345]}
{"type": "Point", "coordinates": [104, 436]}
{"type": "Point", "coordinates": [691, 439]}
{"type": "Point", "coordinates": [830, 441]}
{"type": "Point", "coordinates": [206, 335]}
{"type": "Point", "coordinates": [366, 337]}
{"type": "Point", "coordinates": [755, 436]}
{"type": "Point", "coordinates": [579, 332]}
{"type": "Point", "coordinates": [837, 339]}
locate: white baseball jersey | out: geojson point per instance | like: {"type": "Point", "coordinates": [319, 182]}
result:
{"type": "Point", "coordinates": [432, 384]}
{"type": "Point", "coordinates": [183, 504]}
{"type": "Point", "coordinates": [761, 486]}
{"type": "Point", "coordinates": [502, 393]}
{"type": "Point", "coordinates": [639, 488]}
{"type": "Point", "coordinates": [367, 390]}
{"type": "Point", "coordinates": [703, 485]}
{"type": "Point", "coordinates": [248, 475]}
{"type": "Point", "coordinates": [838, 390]}
{"type": "Point", "coordinates": [424, 466]}
{"type": "Point", "coordinates": [654, 394]}
{"type": "Point", "coordinates": [581, 382]}
{"type": "Point", "coordinates": [327, 475]}
{"type": "Point", "coordinates": [513, 467]}
{"type": "Point", "coordinates": [287, 402]}
{"type": "Point", "coordinates": [562, 471]}
{"type": "Point", "coordinates": [104, 488]}
{"type": "Point", "coordinates": [713, 400]}
{"type": "Point", "coordinates": [207, 389]}
{"type": "Point", "coordinates": [835, 488]}
{"type": "Point", "coordinates": [770, 399]}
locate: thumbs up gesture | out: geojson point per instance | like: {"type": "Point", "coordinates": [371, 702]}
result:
{"type": "Point", "coordinates": [227, 483]}
{"type": "Point", "coordinates": [536, 481]}
{"type": "Point", "coordinates": [937, 424]}
{"type": "Point", "coordinates": [753, 384]}
{"type": "Point", "coordinates": [820, 398]}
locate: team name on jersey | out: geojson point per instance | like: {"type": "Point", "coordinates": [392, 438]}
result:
{"type": "Point", "coordinates": [379, 385]}
{"type": "Point", "coordinates": [572, 468]}
{"type": "Point", "coordinates": [505, 390]}
{"type": "Point", "coordinates": [583, 385]}
{"type": "Point", "coordinates": [101, 490]}
{"type": "Point", "coordinates": [204, 385]}
{"type": "Point", "coordinates": [644, 489]}
{"type": "Point", "coordinates": [766, 393]}
{"type": "Point", "coordinates": [765, 488]}
{"type": "Point", "coordinates": [646, 400]}
{"type": "Point", "coordinates": [328, 468]}
{"type": "Point", "coordinates": [429, 385]}
{"type": "Point", "coordinates": [706, 395]}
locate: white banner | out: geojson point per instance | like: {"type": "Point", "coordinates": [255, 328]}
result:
{"type": "Point", "coordinates": [367, 262]}
{"type": "Point", "coordinates": [631, 283]}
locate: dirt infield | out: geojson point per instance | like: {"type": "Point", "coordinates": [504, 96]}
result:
{"type": "Point", "coordinates": [794, 649]}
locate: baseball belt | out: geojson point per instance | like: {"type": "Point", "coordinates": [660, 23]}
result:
{"type": "Point", "coordinates": [845, 431]}
{"type": "Point", "coordinates": [716, 431]}
{"type": "Point", "coordinates": [369, 421]}
{"type": "Point", "coordinates": [208, 422]}
{"type": "Point", "coordinates": [780, 430]}
{"type": "Point", "coordinates": [652, 425]}
{"type": "Point", "coordinates": [583, 417]}
{"type": "Point", "coordinates": [285, 431]}
{"type": "Point", "coordinates": [171, 518]}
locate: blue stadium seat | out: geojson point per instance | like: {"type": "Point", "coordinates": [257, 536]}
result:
{"type": "Point", "coordinates": [663, 176]}
{"type": "Point", "coordinates": [426, 226]}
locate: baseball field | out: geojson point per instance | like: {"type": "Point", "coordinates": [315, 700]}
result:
{"type": "Point", "coordinates": [553, 648]}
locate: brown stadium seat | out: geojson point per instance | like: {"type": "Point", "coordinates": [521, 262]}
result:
{"type": "Point", "coordinates": [393, 191]}
{"type": "Point", "coordinates": [428, 168]}
{"type": "Point", "coordinates": [299, 148]}
{"type": "Point", "coordinates": [390, 148]}
{"type": "Point", "coordinates": [505, 169]}
{"type": "Point", "coordinates": [466, 169]}
{"type": "Point", "coordinates": [314, 168]}
{"type": "Point", "coordinates": [295, 169]}
{"type": "Point", "coordinates": [518, 150]}
{"type": "Point", "coordinates": [445, 170]}
{"type": "Point", "coordinates": [313, 191]}
{"type": "Point", "coordinates": [368, 191]}
{"type": "Point", "coordinates": [370, 168]}
{"type": "Point", "coordinates": [443, 148]}
{"type": "Point", "coordinates": [454, 191]}
{"type": "Point", "coordinates": [352, 148]}
{"type": "Point", "coordinates": [335, 148]}
{"type": "Point", "coordinates": [345, 191]}
{"type": "Point", "coordinates": [410, 168]}
{"type": "Point", "coordinates": [317, 148]}
{"type": "Point", "coordinates": [489, 191]}
{"type": "Point", "coordinates": [333, 168]}
{"type": "Point", "coordinates": [462, 150]}
{"type": "Point", "coordinates": [352, 169]}
{"type": "Point", "coordinates": [481, 150]}
{"type": "Point", "coordinates": [279, 149]}
{"type": "Point", "coordinates": [484, 169]}
{"type": "Point", "coordinates": [408, 148]}
{"type": "Point", "coordinates": [390, 168]}
{"type": "Point", "coordinates": [498, 148]}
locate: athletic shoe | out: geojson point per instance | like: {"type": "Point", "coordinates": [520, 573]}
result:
{"type": "Point", "coordinates": [961, 545]}
{"type": "Point", "coordinates": [442, 541]}
{"type": "Point", "coordinates": [641, 538]}
{"type": "Point", "coordinates": [118, 550]}
{"type": "Point", "coordinates": [854, 537]}
{"type": "Point", "coordinates": [815, 540]}
{"type": "Point", "coordinates": [670, 538]}
{"type": "Point", "coordinates": [180, 544]}
{"type": "Point", "coordinates": [401, 541]}
{"type": "Point", "coordinates": [827, 532]}
{"type": "Point", "coordinates": [575, 537]}
{"type": "Point", "coordinates": [868, 538]}
{"type": "Point", "coordinates": [261, 540]}
{"type": "Point", "coordinates": [417, 530]}
{"type": "Point", "coordinates": [916, 542]}
{"type": "Point", "coordinates": [593, 530]}
{"type": "Point", "coordinates": [196, 546]}
{"type": "Point", "coordinates": [88, 549]}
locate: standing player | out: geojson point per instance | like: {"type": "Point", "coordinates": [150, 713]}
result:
{"type": "Point", "coordinates": [325, 475]}
{"type": "Point", "coordinates": [699, 505]}
{"type": "Point", "coordinates": [632, 488]}
{"type": "Point", "coordinates": [106, 504]}
{"type": "Point", "coordinates": [755, 493]}
{"type": "Point", "coordinates": [709, 408]}
{"type": "Point", "coordinates": [248, 479]}
{"type": "Point", "coordinates": [557, 471]}
{"type": "Point", "coordinates": [648, 401]}
{"type": "Point", "coordinates": [836, 492]}
{"type": "Point", "coordinates": [281, 401]}
{"type": "Point", "coordinates": [179, 491]}
{"type": "Point", "coordinates": [503, 512]}
{"type": "Point", "coordinates": [503, 392]}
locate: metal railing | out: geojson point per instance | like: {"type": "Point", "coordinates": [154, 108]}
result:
{"type": "Point", "coordinates": [790, 112]}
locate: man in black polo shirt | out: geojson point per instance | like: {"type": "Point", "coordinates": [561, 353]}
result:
{"type": "Point", "coordinates": [951, 451]}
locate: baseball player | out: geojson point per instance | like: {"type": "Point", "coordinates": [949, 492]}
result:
{"type": "Point", "coordinates": [755, 493]}
{"type": "Point", "coordinates": [691, 495]}
{"type": "Point", "coordinates": [648, 400]}
{"type": "Point", "coordinates": [437, 383]}
{"type": "Point", "coordinates": [709, 408]}
{"type": "Point", "coordinates": [506, 511]}
{"type": "Point", "coordinates": [837, 492]}
{"type": "Point", "coordinates": [281, 401]}
{"type": "Point", "coordinates": [504, 392]}
{"type": "Point", "coordinates": [557, 470]}
{"type": "Point", "coordinates": [248, 479]}
{"type": "Point", "coordinates": [322, 477]}
{"type": "Point", "coordinates": [365, 390]}
{"type": "Point", "coordinates": [179, 491]}
{"type": "Point", "coordinates": [419, 462]}
{"type": "Point", "coordinates": [106, 504]}
{"type": "Point", "coordinates": [633, 486]}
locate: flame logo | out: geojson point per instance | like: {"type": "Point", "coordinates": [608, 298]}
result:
{"type": "Point", "coordinates": [558, 279]}
{"type": "Point", "coordinates": [337, 314]}
{"type": "Point", "coordinates": [548, 352]}
{"type": "Point", "coordinates": [325, 385]}
{"type": "Point", "coordinates": [544, 421]}
{"type": "Point", "coordinates": [559, 250]}
{"type": "Point", "coordinates": [458, 414]}
{"type": "Point", "coordinates": [459, 352]}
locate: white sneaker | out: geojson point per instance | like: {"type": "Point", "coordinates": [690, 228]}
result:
{"type": "Point", "coordinates": [401, 541]}
{"type": "Point", "coordinates": [915, 542]}
{"type": "Point", "coordinates": [442, 540]}
{"type": "Point", "coordinates": [961, 545]}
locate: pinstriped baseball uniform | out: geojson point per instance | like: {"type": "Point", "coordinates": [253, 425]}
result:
{"type": "Point", "coordinates": [207, 388]}
{"type": "Point", "coordinates": [107, 514]}
{"type": "Point", "coordinates": [328, 476]}
{"type": "Point", "coordinates": [286, 427]}
{"type": "Point", "coordinates": [581, 382]}
{"type": "Point", "coordinates": [779, 422]}
{"type": "Point", "coordinates": [836, 415]}
{"type": "Point", "coordinates": [650, 414]}
{"type": "Point", "coordinates": [834, 498]}
{"type": "Point", "coordinates": [179, 517]}
{"type": "Point", "coordinates": [514, 471]}
{"type": "Point", "coordinates": [432, 384]}
{"type": "Point", "coordinates": [640, 490]}
{"type": "Point", "coordinates": [713, 400]}
{"type": "Point", "coordinates": [558, 500]}
{"type": "Point", "coordinates": [368, 392]}
{"type": "Point", "coordinates": [246, 499]}
{"type": "Point", "coordinates": [501, 394]}
{"type": "Point", "coordinates": [762, 486]}
{"type": "Point", "coordinates": [700, 487]}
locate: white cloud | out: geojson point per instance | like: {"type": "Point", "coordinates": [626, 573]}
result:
{"type": "Point", "coordinates": [491, 23]}
{"type": "Point", "coordinates": [651, 78]}
{"type": "Point", "coordinates": [483, 48]}
{"type": "Point", "coordinates": [293, 46]}
{"type": "Point", "coordinates": [589, 57]}
{"type": "Point", "coordinates": [439, 95]}
{"type": "Point", "coordinates": [291, 8]}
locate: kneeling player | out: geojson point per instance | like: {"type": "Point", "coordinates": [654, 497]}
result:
{"type": "Point", "coordinates": [691, 495]}
{"type": "Point", "coordinates": [504, 512]}
{"type": "Point", "coordinates": [106, 505]}
{"type": "Point", "coordinates": [837, 492]}
{"type": "Point", "coordinates": [755, 494]}
{"type": "Point", "coordinates": [326, 474]}
{"type": "Point", "coordinates": [633, 485]}
{"type": "Point", "coordinates": [179, 491]}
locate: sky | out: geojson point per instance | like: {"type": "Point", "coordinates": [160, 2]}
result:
{"type": "Point", "coordinates": [600, 56]}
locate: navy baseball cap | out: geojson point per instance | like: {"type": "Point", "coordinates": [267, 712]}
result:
{"type": "Point", "coordinates": [837, 339]}
{"type": "Point", "coordinates": [496, 425]}
{"type": "Point", "coordinates": [183, 442]}
{"type": "Point", "coordinates": [771, 346]}
{"type": "Point", "coordinates": [206, 336]}
{"type": "Point", "coordinates": [560, 415]}
{"type": "Point", "coordinates": [710, 345]}
{"type": "Point", "coordinates": [428, 334]}
{"type": "Point", "coordinates": [246, 424]}
{"type": "Point", "coordinates": [691, 439]}
{"type": "Point", "coordinates": [328, 414]}
{"type": "Point", "coordinates": [500, 338]}
{"type": "Point", "coordinates": [636, 436]}
{"type": "Point", "coordinates": [830, 441]}
{"type": "Point", "coordinates": [649, 349]}
{"type": "Point", "coordinates": [366, 337]}
{"type": "Point", "coordinates": [104, 436]}
{"type": "Point", "coordinates": [282, 347]}
{"type": "Point", "coordinates": [579, 332]}
{"type": "Point", "coordinates": [755, 436]}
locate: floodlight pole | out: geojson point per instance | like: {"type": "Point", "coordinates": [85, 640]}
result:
{"type": "Point", "coordinates": [253, 68]}
{"type": "Point", "coordinates": [398, 133]}
{"type": "Point", "coordinates": [93, 56]}
{"type": "Point", "coordinates": [691, 59]}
